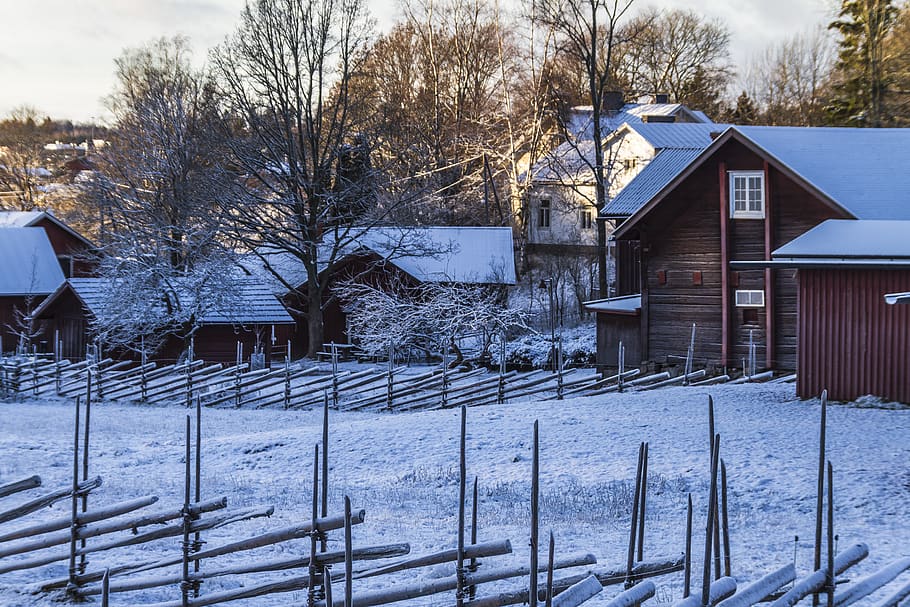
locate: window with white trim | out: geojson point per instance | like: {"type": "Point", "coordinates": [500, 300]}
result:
{"type": "Point", "coordinates": [750, 299]}
{"type": "Point", "coordinates": [747, 194]}
{"type": "Point", "coordinates": [543, 213]}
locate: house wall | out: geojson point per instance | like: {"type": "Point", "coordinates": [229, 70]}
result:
{"type": "Point", "coordinates": [851, 342]}
{"type": "Point", "coordinates": [9, 322]}
{"type": "Point", "coordinates": [681, 246]}
{"type": "Point", "coordinates": [67, 247]}
{"type": "Point", "coordinates": [615, 328]}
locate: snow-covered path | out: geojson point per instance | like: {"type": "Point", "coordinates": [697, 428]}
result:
{"type": "Point", "coordinates": [402, 468]}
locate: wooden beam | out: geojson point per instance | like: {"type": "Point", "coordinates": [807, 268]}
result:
{"type": "Point", "coordinates": [724, 265]}
{"type": "Point", "coordinates": [769, 273]}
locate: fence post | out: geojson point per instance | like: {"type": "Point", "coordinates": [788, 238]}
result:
{"type": "Point", "coordinates": [287, 377]}
{"type": "Point", "coordinates": [501, 391]}
{"type": "Point", "coordinates": [390, 387]}
{"type": "Point", "coordinates": [690, 355]}
{"type": "Point", "coordinates": [334, 375]}
{"type": "Point", "coordinates": [143, 381]}
{"type": "Point", "coordinates": [621, 360]}
{"type": "Point", "coordinates": [559, 379]}
{"type": "Point", "coordinates": [237, 395]}
{"type": "Point", "coordinates": [445, 378]}
{"type": "Point", "coordinates": [189, 373]}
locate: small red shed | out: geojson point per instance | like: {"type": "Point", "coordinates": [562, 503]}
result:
{"type": "Point", "coordinates": [851, 342]}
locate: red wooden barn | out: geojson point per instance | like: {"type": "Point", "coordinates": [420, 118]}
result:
{"type": "Point", "coordinates": [851, 341]}
{"type": "Point", "coordinates": [249, 314]}
{"type": "Point", "coordinates": [705, 231]}
{"type": "Point", "coordinates": [71, 247]}
{"type": "Point", "coordinates": [29, 272]}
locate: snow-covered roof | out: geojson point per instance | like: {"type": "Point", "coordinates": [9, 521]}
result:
{"type": "Point", "coordinates": [24, 219]}
{"type": "Point", "coordinates": [863, 170]}
{"type": "Point", "coordinates": [249, 302]}
{"type": "Point", "coordinates": [628, 305]}
{"type": "Point", "coordinates": [28, 263]}
{"type": "Point", "coordinates": [471, 255]}
{"type": "Point", "coordinates": [850, 239]}
{"type": "Point", "coordinates": [580, 121]}
{"type": "Point", "coordinates": [571, 161]}
{"type": "Point", "coordinates": [897, 298]}
{"type": "Point", "coordinates": [662, 169]}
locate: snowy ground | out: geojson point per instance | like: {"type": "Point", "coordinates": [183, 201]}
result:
{"type": "Point", "coordinates": [402, 469]}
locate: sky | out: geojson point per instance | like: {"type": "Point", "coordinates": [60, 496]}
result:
{"type": "Point", "coordinates": [58, 55]}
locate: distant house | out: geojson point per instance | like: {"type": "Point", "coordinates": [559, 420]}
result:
{"type": "Point", "coordinates": [249, 314]}
{"type": "Point", "coordinates": [404, 255]}
{"type": "Point", "coordinates": [70, 246]}
{"type": "Point", "coordinates": [561, 208]}
{"type": "Point", "coordinates": [850, 341]}
{"type": "Point", "coordinates": [699, 232]}
{"type": "Point", "coordinates": [29, 272]}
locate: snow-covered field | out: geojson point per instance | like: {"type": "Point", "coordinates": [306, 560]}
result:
{"type": "Point", "coordinates": [402, 469]}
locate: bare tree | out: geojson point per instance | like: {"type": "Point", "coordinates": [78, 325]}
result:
{"type": "Point", "coordinates": [307, 188]}
{"type": "Point", "coordinates": [21, 168]}
{"type": "Point", "coordinates": [788, 80]}
{"type": "Point", "coordinates": [674, 52]}
{"type": "Point", "coordinates": [159, 194]}
{"type": "Point", "coordinates": [589, 32]}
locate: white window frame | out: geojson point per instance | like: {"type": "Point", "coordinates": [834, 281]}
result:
{"type": "Point", "coordinates": [544, 210]}
{"type": "Point", "coordinates": [749, 295]}
{"type": "Point", "coordinates": [746, 213]}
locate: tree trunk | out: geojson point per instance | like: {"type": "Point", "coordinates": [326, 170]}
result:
{"type": "Point", "coordinates": [315, 328]}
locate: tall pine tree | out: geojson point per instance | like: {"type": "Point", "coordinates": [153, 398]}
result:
{"type": "Point", "coordinates": [861, 80]}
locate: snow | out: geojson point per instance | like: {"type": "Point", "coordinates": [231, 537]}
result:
{"type": "Point", "coordinates": [847, 238]}
{"type": "Point", "coordinates": [402, 468]}
{"type": "Point", "coordinates": [28, 264]}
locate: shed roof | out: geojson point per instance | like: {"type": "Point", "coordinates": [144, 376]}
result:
{"type": "Point", "coordinates": [627, 305]}
{"type": "Point", "coordinates": [471, 255]}
{"type": "Point", "coordinates": [27, 219]}
{"type": "Point", "coordinates": [848, 238]}
{"type": "Point", "coordinates": [249, 302]}
{"type": "Point", "coordinates": [28, 263]}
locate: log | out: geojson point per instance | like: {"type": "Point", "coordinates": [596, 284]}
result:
{"type": "Point", "coordinates": [745, 379]}
{"type": "Point", "coordinates": [719, 590]}
{"type": "Point", "coordinates": [648, 379]}
{"type": "Point", "coordinates": [871, 583]}
{"type": "Point", "coordinates": [659, 566]}
{"type": "Point", "coordinates": [675, 380]}
{"type": "Point", "coordinates": [82, 519]}
{"type": "Point", "coordinates": [326, 558]}
{"type": "Point", "coordinates": [717, 379]}
{"type": "Point", "coordinates": [816, 580]}
{"type": "Point", "coordinates": [273, 537]}
{"type": "Point", "coordinates": [46, 500]}
{"type": "Point", "coordinates": [897, 598]}
{"type": "Point", "coordinates": [784, 379]}
{"type": "Point", "coordinates": [575, 595]}
{"type": "Point", "coordinates": [762, 588]}
{"type": "Point", "coordinates": [89, 531]}
{"type": "Point", "coordinates": [472, 551]}
{"type": "Point", "coordinates": [17, 486]}
{"type": "Point", "coordinates": [165, 532]}
{"type": "Point", "coordinates": [412, 591]}
{"type": "Point", "coordinates": [633, 596]}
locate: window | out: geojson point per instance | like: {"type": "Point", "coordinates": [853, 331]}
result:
{"type": "Point", "coordinates": [747, 195]}
{"type": "Point", "coordinates": [543, 214]}
{"type": "Point", "coordinates": [587, 220]}
{"type": "Point", "coordinates": [66, 264]}
{"type": "Point", "coordinates": [750, 299]}
{"type": "Point", "coordinates": [629, 163]}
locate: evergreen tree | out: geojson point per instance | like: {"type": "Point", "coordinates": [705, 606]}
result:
{"type": "Point", "coordinates": [744, 112]}
{"type": "Point", "coordinates": [861, 80]}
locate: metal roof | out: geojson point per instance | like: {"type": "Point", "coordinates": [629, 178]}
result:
{"type": "Point", "coordinates": [28, 263]}
{"type": "Point", "coordinates": [248, 302]}
{"type": "Point", "coordinates": [663, 135]}
{"type": "Point", "coordinates": [581, 121]}
{"type": "Point", "coordinates": [471, 255]}
{"type": "Point", "coordinates": [867, 171]}
{"type": "Point", "coordinates": [850, 239]}
{"type": "Point", "coordinates": [662, 169]}
{"type": "Point", "coordinates": [626, 305]}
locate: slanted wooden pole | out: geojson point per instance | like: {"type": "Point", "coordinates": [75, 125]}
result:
{"type": "Point", "coordinates": [325, 471]}
{"type": "Point", "coordinates": [462, 481]}
{"type": "Point", "coordinates": [472, 564]}
{"type": "Point", "coordinates": [535, 515]}
{"type": "Point", "coordinates": [106, 588]}
{"type": "Point", "coordinates": [85, 450]}
{"type": "Point", "coordinates": [187, 521]}
{"type": "Point", "coordinates": [501, 391]}
{"type": "Point", "coordinates": [287, 376]}
{"type": "Point", "coordinates": [829, 578]}
{"type": "Point", "coordinates": [550, 557]}
{"type": "Point", "coordinates": [709, 528]}
{"type": "Point", "coordinates": [197, 543]}
{"type": "Point", "coordinates": [390, 378]}
{"type": "Point", "coordinates": [819, 501]}
{"type": "Point", "coordinates": [725, 520]}
{"type": "Point", "coordinates": [633, 528]}
{"type": "Point", "coordinates": [716, 530]}
{"type": "Point", "coordinates": [74, 526]}
{"type": "Point", "coordinates": [348, 556]}
{"type": "Point", "coordinates": [327, 576]}
{"type": "Point", "coordinates": [641, 513]}
{"type": "Point", "coordinates": [687, 577]}
{"type": "Point", "coordinates": [313, 569]}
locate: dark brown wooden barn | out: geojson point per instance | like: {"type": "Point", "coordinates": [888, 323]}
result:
{"type": "Point", "coordinates": [256, 319]}
{"type": "Point", "coordinates": [751, 191]}
{"type": "Point", "coordinates": [71, 247]}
